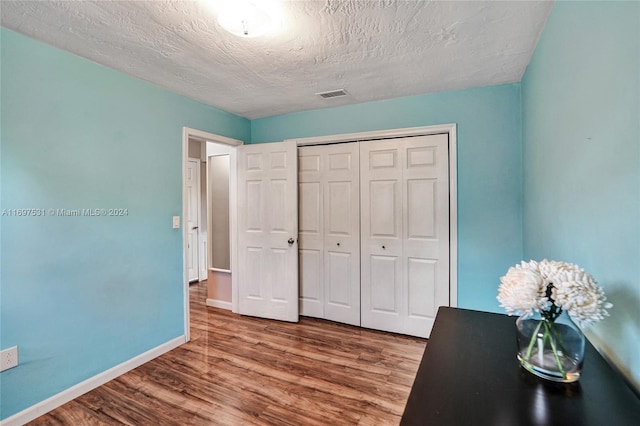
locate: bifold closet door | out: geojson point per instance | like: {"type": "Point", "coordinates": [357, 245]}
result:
{"type": "Point", "coordinates": [405, 233]}
{"type": "Point", "coordinates": [329, 221]}
{"type": "Point", "coordinates": [310, 232]}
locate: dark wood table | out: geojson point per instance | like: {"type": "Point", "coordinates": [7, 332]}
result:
{"type": "Point", "coordinates": [469, 375]}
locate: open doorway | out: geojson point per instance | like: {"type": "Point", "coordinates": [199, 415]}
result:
{"type": "Point", "coordinates": [209, 165]}
{"type": "Point", "coordinates": [221, 217]}
{"type": "Point", "coordinates": [195, 222]}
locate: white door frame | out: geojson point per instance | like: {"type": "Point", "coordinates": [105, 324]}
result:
{"type": "Point", "coordinates": [450, 129]}
{"type": "Point", "coordinates": [189, 133]}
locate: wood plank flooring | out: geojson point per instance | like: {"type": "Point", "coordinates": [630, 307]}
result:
{"type": "Point", "coordinates": [248, 371]}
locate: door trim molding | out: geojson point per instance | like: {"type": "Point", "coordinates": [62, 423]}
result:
{"type": "Point", "coordinates": [377, 134]}
{"type": "Point", "coordinates": [202, 136]}
{"type": "Point", "coordinates": [449, 129]}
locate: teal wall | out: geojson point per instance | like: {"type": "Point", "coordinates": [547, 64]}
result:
{"type": "Point", "coordinates": [581, 132]}
{"type": "Point", "coordinates": [489, 169]}
{"type": "Point", "coordinates": [82, 294]}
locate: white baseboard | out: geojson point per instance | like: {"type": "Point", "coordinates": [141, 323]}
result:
{"type": "Point", "coordinates": [81, 388]}
{"type": "Point", "coordinates": [219, 304]}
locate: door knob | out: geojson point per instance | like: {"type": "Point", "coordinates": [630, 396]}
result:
{"type": "Point", "coordinates": [195, 227]}
{"type": "Point", "coordinates": [290, 241]}
{"type": "Point", "coordinates": [338, 244]}
{"type": "Point", "coordinates": [383, 247]}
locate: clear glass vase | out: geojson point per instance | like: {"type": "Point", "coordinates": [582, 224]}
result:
{"type": "Point", "coordinates": [553, 350]}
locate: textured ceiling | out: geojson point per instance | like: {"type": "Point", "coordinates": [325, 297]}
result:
{"type": "Point", "coordinates": [373, 49]}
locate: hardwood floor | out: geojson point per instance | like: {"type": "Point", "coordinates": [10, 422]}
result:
{"type": "Point", "coordinates": [248, 371]}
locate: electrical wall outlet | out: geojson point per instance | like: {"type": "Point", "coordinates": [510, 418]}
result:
{"type": "Point", "coordinates": [8, 358]}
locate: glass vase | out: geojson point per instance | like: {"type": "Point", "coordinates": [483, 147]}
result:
{"type": "Point", "coordinates": [553, 350]}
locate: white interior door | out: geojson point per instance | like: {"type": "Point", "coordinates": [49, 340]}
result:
{"type": "Point", "coordinates": [193, 214]}
{"type": "Point", "coordinates": [405, 233]}
{"type": "Point", "coordinates": [268, 230]}
{"type": "Point", "coordinates": [329, 222]}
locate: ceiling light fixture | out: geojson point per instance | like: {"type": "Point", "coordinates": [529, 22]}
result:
{"type": "Point", "coordinates": [249, 18]}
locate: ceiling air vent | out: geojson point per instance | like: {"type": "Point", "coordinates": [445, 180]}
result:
{"type": "Point", "coordinates": [332, 94]}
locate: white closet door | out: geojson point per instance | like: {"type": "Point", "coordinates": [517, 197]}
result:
{"type": "Point", "coordinates": [342, 233]}
{"type": "Point", "coordinates": [405, 233]}
{"type": "Point", "coordinates": [426, 231]}
{"type": "Point", "coordinates": [329, 220]}
{"type": "Point", "coordinates": [311, 224]}
{"type": "Point", "coordinates": [381, 230]}
{"type": "Point", "coordinates": [267, 231]}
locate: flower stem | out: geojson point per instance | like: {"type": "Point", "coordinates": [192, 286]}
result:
{"type": "Point", "coordinates": [558, 337]}
{"type": "Point", "coordinates": [534, 336]}
{"type": "Point", "coordinates": [547, 334]}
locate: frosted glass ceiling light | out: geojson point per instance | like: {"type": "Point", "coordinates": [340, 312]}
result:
{"type": "Point", "coordinates": [249, 18]}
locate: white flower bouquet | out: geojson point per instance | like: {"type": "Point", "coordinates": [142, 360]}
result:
{"type": "Point", "coordinates": [550, 286]}
{"type": "Point", "coordinates": [548, 346]}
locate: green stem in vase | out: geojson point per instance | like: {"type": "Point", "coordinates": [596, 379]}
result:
{"type": "Point", "coordinates": [534, 336]}
{"type": "Point", "coordinates": [558, 337]}
{"type": "Point", "coordinates": [547, 334]}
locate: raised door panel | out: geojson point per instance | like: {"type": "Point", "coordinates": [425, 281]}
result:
{"type": "Point", "coordinates": [342, 160]}
{"type": "Point", "coordinates": [421, 209]}
{"type": "Point", "coordinates": [254, 212]}
{"type": "Point", "coordinates": [384, 199]}
{"type": "Point", "coordinates": [278, 274]}
{"type": "Point", "coordinates": [384, 159]}
{"type": "Point", "coordinates": [309, 164]}
{"type": "Point", "coordinates": [384, 284]}
{"type": "Point", "coordinates": [422, 279]}
{"type": "Point", "coordinates": [255, 286]}
{"type": "Point", "coordinates": [311, 284]}
{"type": "Point", "coordinates": [339, 211]}
{"type": "Point", "coordinates": [339, 267]}
{"type": "Point", "coordinates": [276, 207]}
{"type": "Point", "coordinates": [310, 205]}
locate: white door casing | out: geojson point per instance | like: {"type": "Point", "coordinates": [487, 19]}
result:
{"type": "Point", "coordinates": [405, 233]}
{"type": "Point", "coordinates": [268, 231]}
{"type": "Point", "coordinates": [202, 218]}
{"type": "Point", "coordinates": [330, 232]}
{"type": "Point", "coordinates": [192, 222]}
